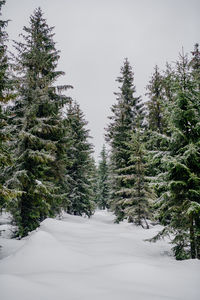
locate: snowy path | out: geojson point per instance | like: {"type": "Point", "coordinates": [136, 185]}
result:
{"type": "Point", "coordinates": [94, 259]}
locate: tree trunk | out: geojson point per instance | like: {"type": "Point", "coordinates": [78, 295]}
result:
{"type": "Point", "coordinates": [192, 239]}
{"type": "Point", "coordinates": [197, 227]}
{"type": "Point", "coordinates": [147, 225]}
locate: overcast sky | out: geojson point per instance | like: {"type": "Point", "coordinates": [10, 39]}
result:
{"type": "Point", "coordinates": [95, 36]}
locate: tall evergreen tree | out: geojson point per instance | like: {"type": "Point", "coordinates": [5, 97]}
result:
{"type": "Point", "coordinates": [184, 173]}
{"type": "Point", "coordinates": [122, 123]}
{"type": "Point", "coordinates": [37, 112]}
{"type": "Point", "coordinates": [136, 203]}
{"type": "Point", "coordinates": [160, 92]}
{"type": "Point", "coordinates": [5, 95]}
{"type": "Point", "coordinates": [81, 188]}
{"type": "Point", "coordinates": [103, 194]}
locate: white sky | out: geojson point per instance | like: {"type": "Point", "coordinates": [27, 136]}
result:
{"type": "Point", "coordinates": [95, 36]}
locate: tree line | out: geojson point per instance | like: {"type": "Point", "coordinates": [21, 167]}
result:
{"type": "Point", "coordinates": [151, 172]}
{"type": "Point", "coordinates": [155, 153]}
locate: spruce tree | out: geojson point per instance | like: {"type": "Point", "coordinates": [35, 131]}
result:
{"type": "Point", "coordinates": [195, 65]}
{"type": "Point", "coordinates": [159, 108]}
{"type": "Point", "coordinates": [93, 180]}
{"type": "Point", "coordinates": [184, 173]}
{"type": "Point", "coordinates": [123, 121]}
{"type": "Point", "coordinates": [6, 95]}
{"type": "Point", "coordinates": [155, 105]}
{"type": "Point", "coordinates": [80, 186]}
{"type": "Point", "coordinates": [168, 79]}
{"type": "Point", "coordinates": [140, 194]}
{"type": "Point", "coordinates": [37, 114]}
{"type": "Point", "coordinates": [103, 194]}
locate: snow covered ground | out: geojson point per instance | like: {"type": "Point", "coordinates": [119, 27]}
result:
{"type": "Point", "coordinates": [92, 259]}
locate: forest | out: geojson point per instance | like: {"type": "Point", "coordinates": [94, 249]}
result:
{"type": "Point", "coordinates": [149, 167]}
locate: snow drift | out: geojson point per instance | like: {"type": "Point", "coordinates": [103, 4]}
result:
{"type": "Point", "coordinates": [78, 258]}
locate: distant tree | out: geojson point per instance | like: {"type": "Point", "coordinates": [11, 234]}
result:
{"type": "Point", "coordinates": [123, 121]}
{"type": "Point", "coordinates": [157, 136]}
{"type": "Point", "coordinates": [93, 180]}
{"type": "Point", "coordinates": [195, 65]}
{"type": "Point", "coordinates": [156, 104]}
{"type": "Point", "coordinates": [103, 194]}
{"type": "Point", "coordinates": [136, 190]}
{"type": "Point", "coordinates": [140, 195]}
{"type": "Point", "coordinates": [168, 80]}
{"type": "Point", "coordinates": [80, 191]}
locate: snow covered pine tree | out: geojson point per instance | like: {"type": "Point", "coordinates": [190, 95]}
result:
{"type": "Point", "coordinates": [37, 115]}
